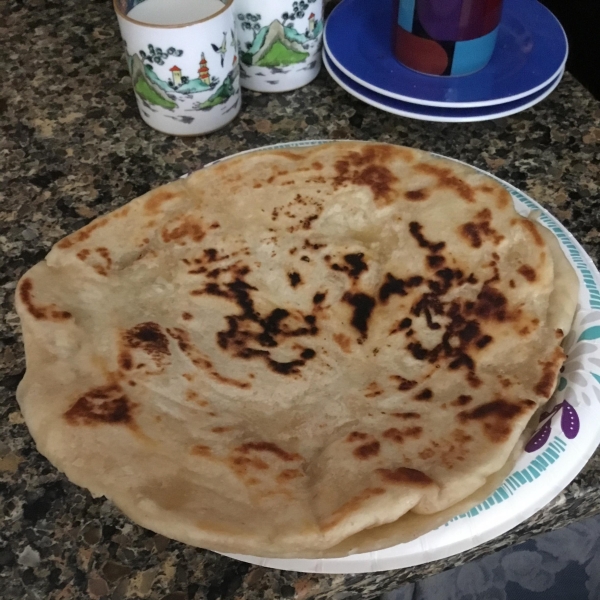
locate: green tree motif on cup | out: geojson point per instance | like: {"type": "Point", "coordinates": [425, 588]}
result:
{"type": "Point", "coordinates": [298, 11]}
{"type": "Point", "coordinates": [157, 56]}
{"type": "Point", "coordinates": [250, 22]}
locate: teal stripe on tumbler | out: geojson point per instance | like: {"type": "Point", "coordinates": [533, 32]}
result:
{"type": "Point", "coordinates": [406, 14]}
{"type": "Point", "coordinates": [474, 54]}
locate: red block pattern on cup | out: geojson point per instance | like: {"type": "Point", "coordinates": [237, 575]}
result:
{"type": "Point", "coordinates": [446, 37]}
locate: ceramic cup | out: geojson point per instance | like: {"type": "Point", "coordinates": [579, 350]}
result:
{"type": "Point", "coordinates": [280, 43]}
{"type": "Point", "coordinates": [185, 76]}
{"type": "Point", "coordinates": [446, 37]}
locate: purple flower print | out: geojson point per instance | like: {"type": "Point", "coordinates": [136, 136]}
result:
{"type": "Point", "coordinates": [569, 423]}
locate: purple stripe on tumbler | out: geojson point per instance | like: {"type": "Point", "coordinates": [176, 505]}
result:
{"type": "Point", "coordinates": [478, 18]}
{"type": "Point", "coordinates": [440, 18]}
{"type": "Point", "coordinates": [458, 20]}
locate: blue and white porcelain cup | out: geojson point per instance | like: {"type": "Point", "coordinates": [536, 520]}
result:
{"type": "Point", "coordinates": [280, 43]}
{"type": "Point", "coordinates": [183, 60]}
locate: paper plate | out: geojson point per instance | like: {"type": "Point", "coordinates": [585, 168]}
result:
{"type": "Point", "coordinates": [436, 113]}
{"type": "Point", "coordinates": [567, 436]}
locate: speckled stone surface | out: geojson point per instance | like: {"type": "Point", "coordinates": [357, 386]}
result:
{"type": "Point", "coordinates": [73, 147]}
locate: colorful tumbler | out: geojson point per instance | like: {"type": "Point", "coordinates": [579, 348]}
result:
{"type": "Point", "coordinates": [446, 37]}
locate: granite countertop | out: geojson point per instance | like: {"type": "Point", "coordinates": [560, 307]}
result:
{"type": "Point", "coordinates": [73, 147]}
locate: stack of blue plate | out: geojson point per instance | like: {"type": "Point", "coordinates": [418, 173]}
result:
{"type": "Point", "coordinates": [527, 64]}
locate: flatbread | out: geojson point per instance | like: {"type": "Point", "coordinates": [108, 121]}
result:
{"type": "Point", "coordinates": [292, 347]}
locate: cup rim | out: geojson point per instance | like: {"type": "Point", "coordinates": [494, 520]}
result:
{"type": "Point", "coordinates": [121, 14]}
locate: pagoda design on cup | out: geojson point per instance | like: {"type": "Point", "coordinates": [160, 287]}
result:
{"type": "Point", "coordinates": [185, 77]}
{"type": "Point", "coordinates": [446, 37]}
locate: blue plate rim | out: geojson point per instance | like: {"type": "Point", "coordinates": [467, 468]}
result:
{"type": "Point", "coordinates": [422, 102]}
{"type": "Point", "coordinates": [551, 86]}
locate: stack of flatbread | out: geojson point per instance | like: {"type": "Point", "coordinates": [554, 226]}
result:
{"type": "Point", "coordinates": [297, 353]}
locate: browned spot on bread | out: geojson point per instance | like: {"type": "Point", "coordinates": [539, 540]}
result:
{"type": "Point", "coordinates": [545, 386]}
{"type": "Point", "coordinates": [406, 416]}
{"type": "Point", "coordinates": [257, 185]}
{"type": "Point", "coordinates": [491, 304]}
{"type": "Point", "coordinates": [483, 341]}
{"type": "Point", "coordinates": [102, 405]}
{"type": "Point", "coordinates": [42, 313]}
{"type": "Point", "coordinates": [149, 338]}
{"type": "Point", "coordinates": [125, 360]}
{"type": "Point", "coordinates": [405, 476]}
{"type": "Point", "coordinates": [367, 168]}
{"type": "Point", "coordinates": [187, 228]}
{"type": "Point", "coordinates": [317, 165]}
{"type": "Point", "coordinates": [459, 436]}
{"type": "Point", "coordinates": [186, 316]}
{"type": "Point", "coordinates": [184, 343]}
{"type": "Point", "coordinates": [356, 436]}
{"type": "Point", "coordinates": [221, 429]}
{"type": "Point", "coordinates": [294, 278]}
{"type": "Point", "coordinates": [287, 154]}
{"type": "Point", "coordinates": [527, 272]}
{"type": "Point", "coordinates": [471, 233]}
{"type": "Point", "coordinates": [416, 231]}
{"type": "Point", "coordinates": [319, 297]}
{"type": "Point", "coordinates": [435, 261]}
{"type": "Point", "coordinates": [103, 267]}
{"type": "Point", "coordinates": [532, 229]}
{"type": "Point", "coordinates": [289, 475]}
{"type": "Point", "coordinates": [404, 324]}
{"type": "Point", "coordinates": [268, 447]}
{"type": "Point", "coordinates": [477, 231]}
{"type": "Point", "coordinates": [473, 380]}
{"type": "Point", "coordinates": [351, 507]}
{"type": "Point", "coordinates": [393, 286]}
{"type": "Point", "coordinates": [241, 464]}
{"type": "Point", "coordinates": [503, 198]}
{"type": "Point", "coordinates": [398, 435]}
{"type": "Point", "coordinates": [363, 306]}
{"type": "Point", "coordinates": [83, 254]}
{"type": "Point", "coordinates": [356, 263]}
{"type": "Point", "coordinates": [243, 385]}
{"type": "Point", "coordinates": [417, 195]}
{"type": "Point", "coordinates": [193, 396]}
{"type": "Point", "coordinates": [157, 199]}
{"type": "Point", "coordinates": [83, 234]}
{"type": "Point", "coordinates": [251, 335]}
{"type": "Point", "coordinates": [496, 417]}
{"type": "Point", "coordinates": [427, 453]}
{"type": "Point", "coordinates": [366, 451]}
{"type": "Point", "coordinates": [404, 385]}
{"type": "Point", "coordinates": [425, 394]}
{"type": "Point", "coordinates": [446, 179]}
{"type": "Point", "coordinates": [200, 450]}
{"type": "Point", "coordinates": [462, 400]}
{"type": "Point", "coordinates": [307, 223]}
{"type": "Point", "coordinates": [373, 390]}
{"type": "Point", "coordinates": [105, 254]}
